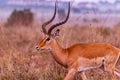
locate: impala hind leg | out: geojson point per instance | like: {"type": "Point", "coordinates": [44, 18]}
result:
{"type": "Point", "coordinates": [110, 70]}
{"type": "Point", "coordinates": [70, 74]}
{"type": "Point", "coordinates": [117, 72]}
{"type": "Point", "coordinates": [112, 75]}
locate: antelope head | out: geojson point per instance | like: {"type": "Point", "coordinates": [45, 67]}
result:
{"type": "Point", "coordinates": [48, 37]}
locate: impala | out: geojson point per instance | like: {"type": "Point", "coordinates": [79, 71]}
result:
{"type": "Point", "coordinates": [79, 57]}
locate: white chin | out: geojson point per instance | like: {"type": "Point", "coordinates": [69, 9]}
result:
{"type": "Point", "coordinates": [48, 49]}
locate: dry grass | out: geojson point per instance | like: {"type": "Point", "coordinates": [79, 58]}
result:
{"type": "Point", "coordinates": [20, 61]}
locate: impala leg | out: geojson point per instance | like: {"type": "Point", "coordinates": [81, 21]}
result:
{"type": "Point", "coordinates": [117, 72]}
{"type": "Point", "coordinates": [112, 75]}
{"type": "Point", "coordinates": [70, 74]}
{"type": "Point", "coordinates": [110, 70]}
{"type": "Point", "coordinates": [83, 76]}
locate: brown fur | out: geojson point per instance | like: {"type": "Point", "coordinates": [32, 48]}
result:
{"type": "Point", "coordinates": [82, 55]}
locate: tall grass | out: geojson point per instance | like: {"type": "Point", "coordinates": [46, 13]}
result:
{"type": "Point", "coordinates": [20, 61]}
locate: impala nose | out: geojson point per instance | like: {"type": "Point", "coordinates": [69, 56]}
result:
{"type": "Point", "coordinates": [37, 48]}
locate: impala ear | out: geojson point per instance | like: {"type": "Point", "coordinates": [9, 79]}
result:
{"type": "Point", "coordinates": [56, 33]}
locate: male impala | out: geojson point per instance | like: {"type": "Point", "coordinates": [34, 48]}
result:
{"type": "Point", "coordinates": [79, 57]}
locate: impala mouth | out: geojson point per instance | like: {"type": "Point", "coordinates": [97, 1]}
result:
{"type": "Point", "coordinates": [40, 49]}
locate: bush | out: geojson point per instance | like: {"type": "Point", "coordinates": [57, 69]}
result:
{"type": "Point", "coordinates": [20, 17]}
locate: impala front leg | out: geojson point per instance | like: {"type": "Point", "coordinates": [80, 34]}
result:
{"type": "Point", "coordinates": [70, 74]}
{"type": "Point", "coordinates": [84, 77]}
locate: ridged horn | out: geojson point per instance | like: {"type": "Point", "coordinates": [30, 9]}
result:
{"type": "Point", "coordinates": [60, 23]}
{"type": "Point", "coordinates": [46, 23]}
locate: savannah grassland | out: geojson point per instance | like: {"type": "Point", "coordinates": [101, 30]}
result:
{"type": "Point", "coordinates": [20, 61]}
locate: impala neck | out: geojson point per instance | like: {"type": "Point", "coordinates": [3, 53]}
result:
{"type": "Point", "coordinates": [59, 53]}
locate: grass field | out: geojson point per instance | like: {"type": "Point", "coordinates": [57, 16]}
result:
{"type": "Point", "coordinates": [20, 61]}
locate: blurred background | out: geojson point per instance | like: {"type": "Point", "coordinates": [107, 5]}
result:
{"type": "Point", "coordinates": [83, 11]}
{"type": "Point", "coordinates": [20, 29]}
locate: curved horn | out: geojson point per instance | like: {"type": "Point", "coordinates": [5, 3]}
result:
{"type": "Point", "coordinates": [46, 23]}
{"type": "Point", "coordinates": [60, 23]}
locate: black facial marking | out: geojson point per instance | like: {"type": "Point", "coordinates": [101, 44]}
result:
{"type": "Point", "coordinates": [47, 39]}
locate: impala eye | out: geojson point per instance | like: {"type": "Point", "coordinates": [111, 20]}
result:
{"type": "Point", "coordinates": [47, 39]}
